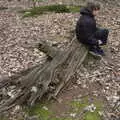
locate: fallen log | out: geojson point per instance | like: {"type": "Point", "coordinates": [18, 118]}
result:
{"type": "Point", "coordinates": [32, 84]}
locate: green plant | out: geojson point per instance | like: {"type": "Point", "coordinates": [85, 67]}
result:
{"type": "Point", "coordinates": [49, 8]}
{"type": "Point", "coordinates": [57, 8]}
{"type": "Point", "coordinates": [74, 9]}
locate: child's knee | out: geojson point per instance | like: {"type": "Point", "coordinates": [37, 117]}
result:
{"type": "Point", "coordinates": [106, 31]}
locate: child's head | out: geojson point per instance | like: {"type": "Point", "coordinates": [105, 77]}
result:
{"type": "Point", "coordinates": [94, 7]}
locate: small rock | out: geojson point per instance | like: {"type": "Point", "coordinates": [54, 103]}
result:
{"type": "Point", "coordinates": [45, 108]}
{"type": "Point", "coordinates": [90, 108]}
{"type": "Point", "coordinates": [101, 113]}
{"type": "Point", "coordinates": [73, 114]}
{"type": "Point", "coordinates": [17, 108]}
{"type": "Point", "coordinates": [11, 94]}
{"type": "Point", "coordinates": [32, 118]}
{"type": "Point", "coordinates": [34, 89]}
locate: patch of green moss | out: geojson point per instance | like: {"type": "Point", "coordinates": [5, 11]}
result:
{"type": "Point", "coordinates": [61, 119]}
{"type": "Point", "coordinates": [42, 113]}
{"type": "Point", "coordinates": [39, 110]}
{"type": "Point", "coordinates": [74, 9]}
{"type": "Point", "coordinates": [92, 116]}
{"type": "Point", "coordinates": [57, 8]}
{"type": "Point", "coordinates": [50, 8]}
{"type": "Point", "coordinates": [78, 106]}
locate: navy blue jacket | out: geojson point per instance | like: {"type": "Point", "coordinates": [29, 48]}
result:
{"type": "Point", "coordinates": [86, 27]}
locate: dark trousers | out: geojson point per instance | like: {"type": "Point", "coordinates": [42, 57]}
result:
{"type": "Point", "coordinates": [99, 38]}
{"type": "Point", "coordinates": [102, 34]}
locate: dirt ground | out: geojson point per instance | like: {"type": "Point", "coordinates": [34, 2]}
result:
{"type": "Point", "coordinates": [98, 79]}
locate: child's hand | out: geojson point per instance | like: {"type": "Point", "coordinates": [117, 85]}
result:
{"type": "Point", "coordinates": [99, 42]}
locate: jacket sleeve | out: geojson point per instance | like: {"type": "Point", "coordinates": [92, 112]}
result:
{"type": "Point", "coordinates": [89, 34]}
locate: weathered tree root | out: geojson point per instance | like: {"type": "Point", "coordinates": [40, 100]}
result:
{"type": "Point", "coordinates": [30, 85]}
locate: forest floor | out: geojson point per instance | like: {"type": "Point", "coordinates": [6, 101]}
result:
{"type": "Point", "coordinates": [96, 83]}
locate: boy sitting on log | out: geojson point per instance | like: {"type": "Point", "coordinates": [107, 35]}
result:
{"type": "Point", "coordinates": [87, 32]}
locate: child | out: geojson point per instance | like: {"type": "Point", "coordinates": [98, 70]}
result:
{"type": "Point", "coordinates": [87, 32]}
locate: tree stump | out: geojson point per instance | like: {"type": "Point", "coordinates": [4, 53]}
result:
{"type": "Point", "coordinates": [47, 79]}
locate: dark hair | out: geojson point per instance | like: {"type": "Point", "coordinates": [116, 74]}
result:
{"type": "Point", "coordinates": [93, 6]}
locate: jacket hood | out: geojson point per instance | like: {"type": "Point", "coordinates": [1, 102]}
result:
{"type": "Point", "coordinates": [85, 11]}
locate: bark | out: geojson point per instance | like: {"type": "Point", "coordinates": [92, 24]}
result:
{"type": "Point", "coordinates": [48, 79]}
